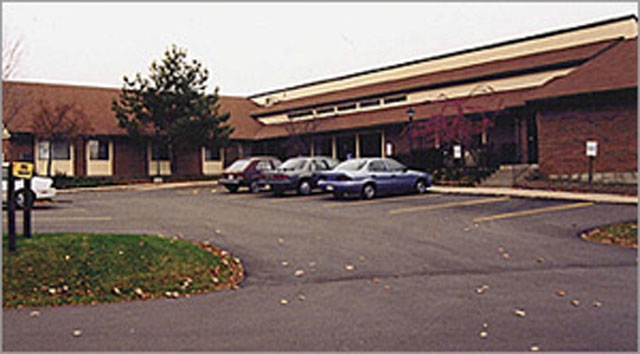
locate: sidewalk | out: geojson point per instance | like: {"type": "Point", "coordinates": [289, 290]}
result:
{"type": "Point", "coordinates": [498, 191]}
{"type": "Point", "coordinates": [539, 194]}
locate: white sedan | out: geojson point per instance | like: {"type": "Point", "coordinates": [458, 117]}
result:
{"type": "Point", "coordinates": [41, 188]}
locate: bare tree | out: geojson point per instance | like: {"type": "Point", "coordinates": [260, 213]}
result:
{"type": "Point", "coordinates": [56, 123]}
{"type": "Point", "coordinates": [300, 134]}
{"type": "Point", "coordinates": [14, 99]}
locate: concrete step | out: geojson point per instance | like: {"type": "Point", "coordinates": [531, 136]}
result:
{"type": "Point", "coordinates": [507, 174]}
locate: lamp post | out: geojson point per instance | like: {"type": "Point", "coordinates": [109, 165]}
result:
{"type": "Point", "coordinates": [410, 113]}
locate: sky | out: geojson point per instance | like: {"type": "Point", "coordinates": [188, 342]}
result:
{"type": "Point", "coordinates": [250, 48]}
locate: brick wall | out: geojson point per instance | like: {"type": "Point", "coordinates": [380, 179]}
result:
{"type": "Point", "coordinates": [564, 126]}
{"type": "Point", "coordinates": [130, 159]}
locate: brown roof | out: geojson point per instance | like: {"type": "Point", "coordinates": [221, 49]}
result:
{"type": "Point", "coordinates": [616, 68]}
{"type": "Point", "coordinates": [96, 105]}
{"type": "Point", "coordinates": [539, 60]}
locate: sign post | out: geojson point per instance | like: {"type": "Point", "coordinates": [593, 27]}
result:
{"type": "Point", "coordinates": [592, 152]}
{"type": "Point", "coordinates": [26, 210]}
{"type": "Point", "coordinates": [11, 208]}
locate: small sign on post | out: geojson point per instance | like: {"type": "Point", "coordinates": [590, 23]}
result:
{"type": "Point", "coordinates": [592, 152]}
{"type": "Point", "coordinates": [22, 170]}
{"type": "Point", "coordinates": [457, 151]}
{"type": "Point", "coordinates": [592, 148]}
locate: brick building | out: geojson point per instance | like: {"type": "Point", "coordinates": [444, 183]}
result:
{"type": "Point", "coordinates": [542, 98]}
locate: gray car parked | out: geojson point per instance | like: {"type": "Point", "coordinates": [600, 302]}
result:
{"type": "Point", "coordinates": [300, 174]}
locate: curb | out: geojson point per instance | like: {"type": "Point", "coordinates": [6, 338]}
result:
{"type": "Point", "coordinates": [499, 191]}
{"type": "Point", "coordinates": [539, 194]}
{"type": "Point", "coordinates": [140, 187]}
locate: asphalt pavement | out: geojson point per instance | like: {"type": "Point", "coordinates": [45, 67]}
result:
{"type": "Point", "coordinates": [451, 270]}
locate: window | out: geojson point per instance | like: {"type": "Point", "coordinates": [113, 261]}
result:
{"type": "Point", "coordinates": [377, 166]}
{"type": "Point", "coordinates": [60, 150]}
{"type": "Point", "coordinates": [98, 150]}
{"type": "Point", "coordinates": [211, 154]}
{"type": "Point", "coordinates": [370, 103]}
{"type": "Point", "coordinates": [395, 99]}
{"type": "Point", "coordinates": [325, 110]}
{"type": "Point", "coordinates": [159, 152]}
{"type": "Point", "coordinates": [395, 165]}
{"type": "Point", "coordinates": [370, 145]}
{"type": "Point", "coordinates": [299, 114]}
{"type": "Point", "coordinates": [347, 107]}
{"type": "Point", "coordinates": [264, 166]}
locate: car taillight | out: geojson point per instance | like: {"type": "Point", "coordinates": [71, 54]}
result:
{"type": "Point", "coordinates": [343, 178]}
{"type": "Point", "coordinates": [280, 177]}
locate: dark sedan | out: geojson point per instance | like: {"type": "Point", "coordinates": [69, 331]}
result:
{"type": "Point", "coordinates": [300, 174]}
{"type": "Point", "coordinates": [369, 177]}
{"type": "Point", "coordinates": [248, 172]}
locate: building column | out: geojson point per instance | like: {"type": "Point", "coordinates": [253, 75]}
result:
{"type": "Point", "coordinates": [334, 147]}
{"type": "Point", "coordinates": [357, 141]}
{"type": "Point", "coordinates": [383, 144]}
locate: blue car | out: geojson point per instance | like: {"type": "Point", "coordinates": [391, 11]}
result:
{"type": "Point", "coordinates": [369, 177]}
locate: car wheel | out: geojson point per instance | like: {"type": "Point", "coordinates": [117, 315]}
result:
{"type": "Point", "coordinates": [254, 187]}
{"type": "Point", "coordinates": [421, 186]}
{"type": "Point", "coordinates": [304, 188]}
{"type": "Point", "coordinates": [24, 199]}
{"type": "Point", "coordinates": [338, 195]}
{"type": "Point", "coordinates": [232, 189]}
{"type": "Point", "coordinates": [368, 191]}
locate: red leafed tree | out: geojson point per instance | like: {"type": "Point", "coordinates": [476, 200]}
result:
{"type": "Point", "coordinates": [458, 122]}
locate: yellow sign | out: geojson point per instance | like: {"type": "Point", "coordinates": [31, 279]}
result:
{"type": "Point", "coordinates": [23, 169]}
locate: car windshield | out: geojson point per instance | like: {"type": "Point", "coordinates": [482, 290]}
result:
{"type": "Point", "coordinates": [293, 164]}
{"type": "Point", "coordinates": [237, 166]}
{"type": "Point", "coordinates": [351, 165]}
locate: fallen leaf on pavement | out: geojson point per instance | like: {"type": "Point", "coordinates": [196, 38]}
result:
{"type": "Point", "coordinates": [561, 293]}
{"type": "Point", "coordinates": [535, 348]}
{"type": "Point", "coordinates": [298, 273]}
{"type": "Point", "coordinates": [575, 302]}
{"type": "Point", "coordinates": [349, 267]}
{"type": "Point", "coordinates": [387, 287]}
{"type": "Point", "coordinates": [375, 280]}
{"type": "Point", "coordinates": [506, 256]}
{"type": "Point", "coordinates": [284, 263]}
{"type": "Point", "coordinates": [482, 289]}
{"type": "Point", "coordinates": [519, 312]}
{"type": "Point", "coordinates": [77, 333]}
{"type": "Point", "coordinates": [597, 304]}
{"type": "Point", "coordinates": [280, 240]}
{"type": "Point", "coordinates": [484, 335]}
{"type": "Point", "coordinates": [284, 301]}
{"type": "Point", "coordinates": [34, 314]}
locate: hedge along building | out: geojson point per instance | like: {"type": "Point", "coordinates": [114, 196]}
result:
{"type": "Point", "coordinates": [531, 100]}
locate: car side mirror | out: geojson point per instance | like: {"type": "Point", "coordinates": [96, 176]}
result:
{"type": "Point", "coordinates": [405, 170]}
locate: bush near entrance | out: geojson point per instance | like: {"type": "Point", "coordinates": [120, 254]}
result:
{"type": "Point", "coordinates": [71, 269]}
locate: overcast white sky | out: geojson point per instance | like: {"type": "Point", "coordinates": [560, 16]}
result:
{"type": "Point", "coordinates": [251, 48]}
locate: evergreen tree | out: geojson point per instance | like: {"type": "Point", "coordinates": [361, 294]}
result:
{"type": "Point", "coordinates": [172, 107]}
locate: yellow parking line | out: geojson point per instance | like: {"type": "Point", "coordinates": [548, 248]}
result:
{"type": "Point", "coordinates": [447, 205]}
{"type": "Point", "coordinates": [364, 202]}
{"type": "Point", "coordinates": [533, 211]}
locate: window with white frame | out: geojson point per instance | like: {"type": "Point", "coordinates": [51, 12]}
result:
{"type": "Point", "coordinates": [60, 150]}
{"type": "Point", "coordinates": [98, 149]}
{"type": "Point", "coordinates": [211, 154]}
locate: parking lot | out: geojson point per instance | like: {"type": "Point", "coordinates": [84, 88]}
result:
{"type": "Point", "coordinates": [432, 272]}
